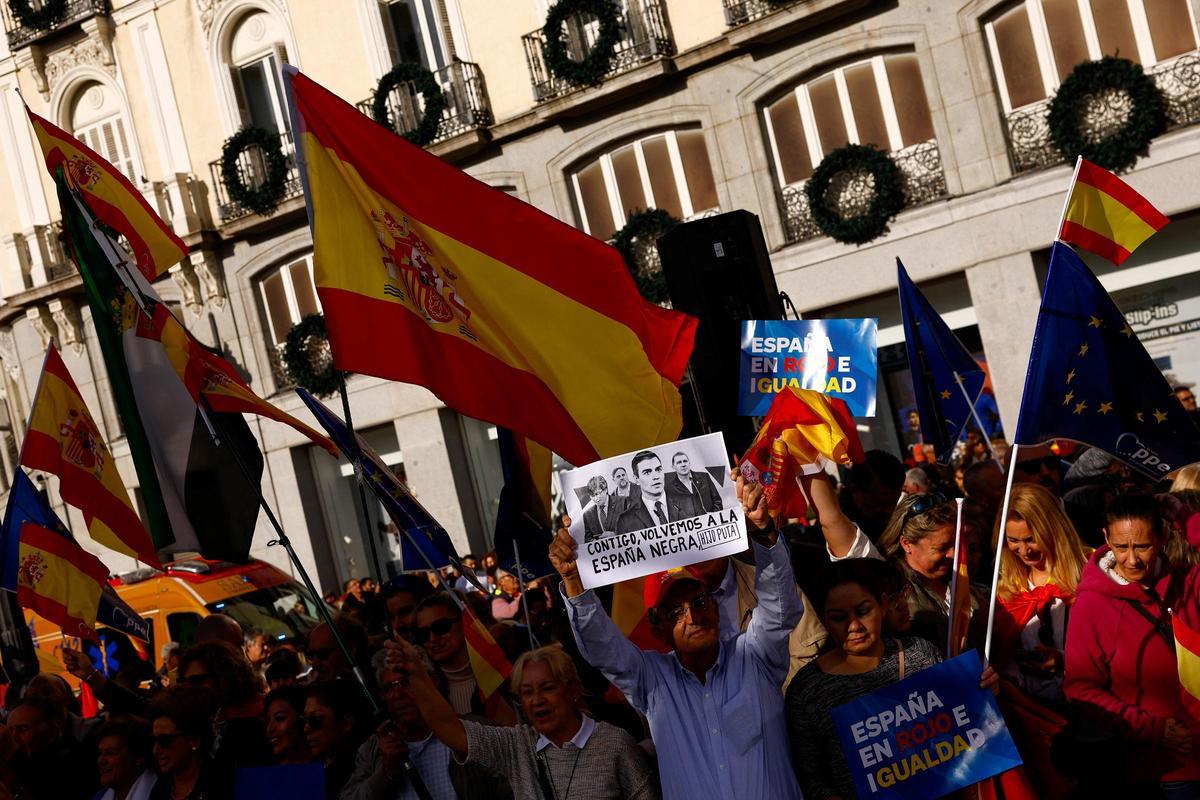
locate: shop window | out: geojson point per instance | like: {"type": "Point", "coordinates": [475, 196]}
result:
{"type": "Point", "coordinates": [95, 117]}
{"type": "Point", "coordinates": [288, 295]}
{"type": "Point", "coordinates": [879, 101]}
{"type": "Point", "coordinates": [1035, 44]}
{"type": "Point", "coordinates": [668, 170]}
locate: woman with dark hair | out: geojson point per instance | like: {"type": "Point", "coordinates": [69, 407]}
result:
{"type": "Point", "coordinates": [852, 598]}
{"type": "Point", "coordinates": [335, 724]}
{"type": "Point", "coordinates": [123, 759]}
{"type": "Point", "coordinates": [223, 670]}
{"type": "Point", "coordinates": [1120, 671]}
{"type": "Point", "coordinates": [181, 720]}
{"type": "Point", "coordinates": [285, 725]}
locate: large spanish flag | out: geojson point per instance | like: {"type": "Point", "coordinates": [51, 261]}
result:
{"type": "Point", "coordinates": [429, 276]}
{"type": "Point", "coordinates": [1106, 216]}
{"type": "Point", "coordinates": [59, 580]}
{"type": "Point", "coordinates": [63, 439]}
{"type": "Point", "coordinates": [113, 198]}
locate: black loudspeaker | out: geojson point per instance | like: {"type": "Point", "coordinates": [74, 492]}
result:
{"type": "Point", "coordinates": [717, 269]}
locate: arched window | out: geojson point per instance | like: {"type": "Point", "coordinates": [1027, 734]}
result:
{"type": "Point", "coordinates": [254, 53]}
{"type": "Point", "coordinates": [1035, 44]}
{"type": "Point", "coordinates": [879, 101]}
{"type": "Point", "coordinates": [668, 170]}
{"type": "Point", "coordinates": [95, 117]}
{"type": "Point", "coordinates": [288, 295]}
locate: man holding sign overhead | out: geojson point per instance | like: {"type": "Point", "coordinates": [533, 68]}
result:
{"type": "Point", "coordinates": [714, 706]}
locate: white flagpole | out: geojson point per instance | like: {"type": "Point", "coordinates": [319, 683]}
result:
{"type": "Point", "coordinates": [1012, 470]}
{"type": "Point", "coordinates": [954, 579]}
{"type": "Point", "coordinates": [1067, 201]}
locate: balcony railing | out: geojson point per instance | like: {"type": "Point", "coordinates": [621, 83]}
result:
{"type": "Point", "coordinates": [279, 372]}
{"type": "Point", "coordinates": [467, 106]}
{"type": "Point", "coordinates": [645, 36]}
{"type": "Point", "coordinates": [739, 12]}
{"type": "Point", "coordinates": [923, 179]}
{"type": "Point", "coordinates": [252, 171]}
{"type": "Point", "coordinates": [1030, 146]}
{"type": "Point", "coordinates": [21, 34]}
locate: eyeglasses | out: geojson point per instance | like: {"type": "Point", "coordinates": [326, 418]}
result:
{"type": "Point", "coordinates": [923, 505]}
{"type": "Point", "coordinates": [314, 721]}
{"type": "Point", "coordinates": [164, 740]}
{"type": "Point", "coordinates": [439, 628]}
{"type": "Point", "coordinates": [699, 604]}
{"type": "Point", "coordinates": [196, 680]}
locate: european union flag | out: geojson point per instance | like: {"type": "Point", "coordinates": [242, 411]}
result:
{"type": "Point", "coordinates": [1091, 380]}
{"type": "Point", "coordinates": [426, 545]}
{"type": "Point", "coordinates": [516, 527]}
{"type": "Point", "coordinates": [27, 504]}
{"type": "Point", "coordinates": [939, 364]}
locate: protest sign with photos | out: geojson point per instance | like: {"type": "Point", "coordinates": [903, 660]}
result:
{"type": "Point", "coordinates": [926, 736]}
{"type": "Point", "coordinates": [836, 357]}
{"type": "Point", "coordinates": [643, 512]}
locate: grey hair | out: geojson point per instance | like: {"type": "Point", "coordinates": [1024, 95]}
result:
{"type": "Point", "coordinates": [917, 477]}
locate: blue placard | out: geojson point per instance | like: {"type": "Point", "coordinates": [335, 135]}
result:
{"type": "Point", "coordinates": [927, 735]}
{"type": "Point", "coordinates": [833, 356]}
{"type": "Point", "coordinates": [293, 781]}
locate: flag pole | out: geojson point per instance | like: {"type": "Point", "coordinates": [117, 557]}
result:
{"type": "Point", "coordinates": [954, 578]}
{"type": "Point", "coordinates": [356, 455]}
{"type": "Point", "coordinates": [533, 642]}
{"type": "Point", "coordinates": [1067, 201]}
{"type": "Point", "coordinates": [975, 415]}
{"type": "Point", "coordinates": [1012, 470]}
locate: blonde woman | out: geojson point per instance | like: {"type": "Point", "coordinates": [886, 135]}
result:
{"type": "Point", "coordinates": [1041, 561]}
{"type": "Point", "coordinates": [1186, 478]}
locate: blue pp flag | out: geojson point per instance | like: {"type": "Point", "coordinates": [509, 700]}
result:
{"type": "Point", "coordinates": [1091, 380]}
{"type": "Point", "coordinates": [927, 735]}
{"type": "Point", "coordinates": [27, 504]}
{"type": "Point", "coordinates": [424, 542]}
{"type": "Point", "coordinates": [947, 380]}
{"type": "Point", "coordinates": [518, 531]}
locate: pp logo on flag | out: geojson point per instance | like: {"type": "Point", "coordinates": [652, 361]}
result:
{"type": "Point", "coordinates": [81, 443]}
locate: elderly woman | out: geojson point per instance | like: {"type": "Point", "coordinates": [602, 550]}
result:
{"type": "Point", "coordinates": [181, 720]}
{"type": "Point", "coordinates": [123, 759]}
{"type": "Point", "coordinates": [241, 732]}
{"type": "Point", "coordinates": [561, 749]}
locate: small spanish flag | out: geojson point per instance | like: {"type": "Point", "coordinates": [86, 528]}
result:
{"type": "Point", "coordinates": [960, 594]}
{"type": "Point", "coordinates": [64, 439]}
{"type": "Point", "coordinates": [59, 580]}
{"type": "Point", "coordinates": [113, 198]}
{"type": "Point", "coordinates": [1185, 621]}
{"type": "Point", "coordinates": [488, 662]}
{"type": "Point", "coordinates": [1105, 216]}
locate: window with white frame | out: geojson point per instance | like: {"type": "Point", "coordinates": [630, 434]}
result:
{"type": "Point", "coordinates": [668, 170]}
{"type": "Point", "coordinates": [879, 101]}
{"type": "Point", "coordinates": [414, 32]}
{"type": "Point", "coordinates": [95, 117]}
{"type": "Point", "coordinates": [256, 52]}
{"type": "Point", "coordinates": [1035, 44]}
{"type": "Point", "coordinates": [288, 296]}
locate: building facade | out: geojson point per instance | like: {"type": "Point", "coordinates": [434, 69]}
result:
{"type": "Point", "coordinates": [705, 106]}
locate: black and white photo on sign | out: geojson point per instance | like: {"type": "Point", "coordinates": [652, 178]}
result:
{"type": "Point", "coordinates": [650, 506]}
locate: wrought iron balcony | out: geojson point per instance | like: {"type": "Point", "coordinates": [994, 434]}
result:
{"type": "Point", "coordinates": [22, 32]}
{"type": "Point", "coordinates": [645, 36]}
{"type": "Point", "coordinates": [924, 181]}
{"type": "Point", "coordinates": [252, 171]}
{"type": "Point", "coordinates": [467, 105]}
{"type": "Point", "coordinates": [1031, 148]}
{"type": "Point", "coordinates": [739, 12]}
{"type": "Point", "coordinates": [279, 373]}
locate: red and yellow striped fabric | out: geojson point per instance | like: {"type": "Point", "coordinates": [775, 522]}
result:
{"type": "Point", "coordinates": [488, 662]}
{"type": "Point", "coordinates": [429, 276]}
{"type": "Point", "coordinates": [113, 198]}
{"type": "Point", "coordinates": [960, 595]}
{"type": "Point", "coordinates": [63, 439]}
{"type": "Point", "coordinates": [59, 580]}
{"type": "Point", "coordinates": [1187, 657]}
{"type": "Point", "coordinates": [1106, 216]}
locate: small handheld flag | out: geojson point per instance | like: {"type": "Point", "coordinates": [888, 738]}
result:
{"type": "Point", "coordinates": [960, 593]}
{"type": "Point", "coordinates": [59, 580]}
{"type": "Point", "coordinates": [1105, 216]}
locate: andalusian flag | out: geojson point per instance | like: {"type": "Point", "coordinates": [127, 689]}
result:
{"type": "Point", "coordinates": [113, 198]}
{"type": "Point", "coordinates": [1105, 216]}
{"type": "Point", "coordinates": [59, 580]}
{"type": "Point", "coordinates": [64, 439]}
{"type": "Point", "coordinates": [196, 495]}
{"type": "Point", "coordinates": [428, 276]}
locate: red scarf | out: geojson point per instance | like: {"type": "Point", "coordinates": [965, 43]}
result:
{"type": "Point", "coordinates": [1015, 613]}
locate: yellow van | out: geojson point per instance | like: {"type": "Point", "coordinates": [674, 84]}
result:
{"type": "Point", "coordinates": [256, 594]}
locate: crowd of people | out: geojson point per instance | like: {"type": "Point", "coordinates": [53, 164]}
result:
{"type": "Point", "coordinates": [753, 651]}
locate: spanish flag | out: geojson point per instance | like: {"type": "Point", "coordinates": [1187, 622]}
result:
{"type": "Point", "coordinates": [59, 580]}
{"type": "Point", "coordinates": [490, 667]}
{"type": "Point", "coordinates": [1185, 621]}
{"type": "Point", "coordinates": [113, 198]}
{"type": "Point", "coordinates": [63, 439]}
{"type": "Point", "coordinates": [508, 315]}
{"type": "Point", "coordinates": [1105, 216]}
{"type": "Point", "coordinates": [960, 594]}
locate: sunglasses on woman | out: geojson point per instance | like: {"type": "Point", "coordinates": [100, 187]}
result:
{"type": "Point", "coordinates": [923, 505]}
{"type": "Point", "coordinates": [164, 740]}
{"type": "Point", "coordinates": [440, 627]}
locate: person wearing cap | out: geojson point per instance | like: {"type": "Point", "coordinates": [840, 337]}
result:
{"type": "Point", "coordinates": [714, 704]}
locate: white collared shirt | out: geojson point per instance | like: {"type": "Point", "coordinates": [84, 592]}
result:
{"type": "Point", "coordinates": [580, 739]}
{"type": "Point", "coordinates": [649, 502]}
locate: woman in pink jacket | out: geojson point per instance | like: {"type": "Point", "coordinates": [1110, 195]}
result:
{"type": "Point", "coordinates": [1120, 658]}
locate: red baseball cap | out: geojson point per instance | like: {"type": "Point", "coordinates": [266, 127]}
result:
{"type": "Point", "coordinates": [658, 584]}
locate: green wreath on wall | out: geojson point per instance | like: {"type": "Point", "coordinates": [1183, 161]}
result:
{"type": "Point", "coordinates": [307, 357]}
{"type": "Point", "coordinates": [264, 198]}
{"type": "Point", "coordinates": [44, 18]}
{"type": "Point", "coordinates": [426, 84]}
{"type": "Point", "coordinates": [643, 228]}
{"type": "Point", "coordinates": [887, 202]}
{"type": "Point", "coordinates": [595, 65]}
{"type": "Point", "coordinates": [1088, 84]}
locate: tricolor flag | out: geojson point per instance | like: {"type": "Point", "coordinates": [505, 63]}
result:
{"type": "Point", "coordinates": [960, 594]}
{"type": "Point", "coordinates": [113, 198]}
{"type": "Point", "coordinates": [63, 439]}
{"type": "Point", "coordinates": [429, 276]}
{"type": "Point", "coordinates": [1105, 216]}
{"type": "Point", "coordinates": [59, 580]}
